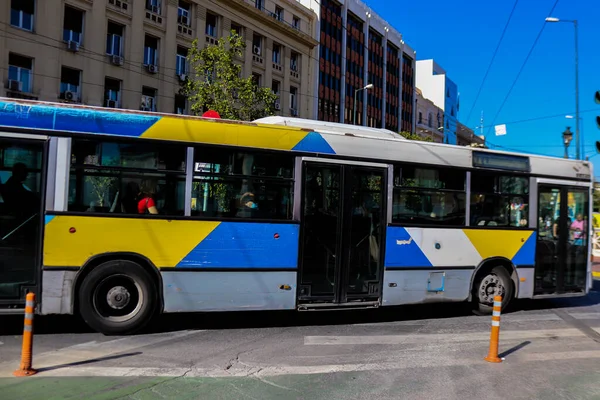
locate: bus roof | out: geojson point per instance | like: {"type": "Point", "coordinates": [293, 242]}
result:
{"type": "Point", "coordinates": [276, 133]}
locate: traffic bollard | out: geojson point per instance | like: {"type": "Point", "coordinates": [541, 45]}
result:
{"type": "Point", "coordinates": [26, 351]}
{"type": "Point", "coordinates": [495, 335]}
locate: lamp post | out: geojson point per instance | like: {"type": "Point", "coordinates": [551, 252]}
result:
{"type": "Point", "coordinates": [577, 136]}
{"type": "Point", "coordinates": [369, 86]}
{"type": "Point", "coordinates": [567, 137]}
{"type": "Point", "coordinates": [582, 134]}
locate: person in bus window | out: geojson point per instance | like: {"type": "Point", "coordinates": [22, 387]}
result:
{"type": "Point", "coordinates": [147, 204]}
{"type": "Point", "coordinates": [129, 201]}
{"type": "Point", "coordinates": [578, 229]}
{"type": "Point", "coordinates": [18, 198]}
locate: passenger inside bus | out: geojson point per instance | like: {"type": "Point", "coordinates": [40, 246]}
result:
{"type": "Point", "coordinates": [19, 200]}
{"type": "Point", "coordinates": [147, 203]}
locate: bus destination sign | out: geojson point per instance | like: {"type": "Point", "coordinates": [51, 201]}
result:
{"type": "Point", "coordinates": [501, 161]}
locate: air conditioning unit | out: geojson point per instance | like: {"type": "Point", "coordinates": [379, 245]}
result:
{"type": "Point", "coordinates": [116, 60]}
{"type": "Point", "coordinates": [277, 106]}
{"type": "Point", "coordinates": [71, 96]}
{"type": "Point", "coordinates": [183, 19]}
{"type": "Point", "coordinates": [111, 103]}
{"type": "Point", "coordinates": [15, 86]}
{"type": "Point", "coordinates": [256, 50]}
{"type": "Point", "coordinates": [182, 77]}
{"type": "Point", "coordinates": [153, 69]}
{"type": "Point", "coordinates": [73, 46]}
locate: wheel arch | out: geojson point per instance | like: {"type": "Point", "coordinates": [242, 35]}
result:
{"type": "Point", "coordinates": [487, 265]}
{"type": "Point", "coordinates": [99, 259]}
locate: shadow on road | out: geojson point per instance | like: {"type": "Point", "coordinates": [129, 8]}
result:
{"type": "Point", "coordinates": [13, 324]}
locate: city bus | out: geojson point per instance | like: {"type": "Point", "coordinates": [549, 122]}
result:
{"type": "Point", "coordinates": [119, 215]}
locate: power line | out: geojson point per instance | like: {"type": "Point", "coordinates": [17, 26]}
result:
{"type": "Point", "coordinates": [543, 118]}
{"type": "Point", "coordinates": [524, 64]}
{"type": "Point", "coordinates": [492, 61]}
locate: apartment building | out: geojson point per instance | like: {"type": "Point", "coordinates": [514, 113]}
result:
{"type": "Point", "coordinates": [466, 136]}
{"type": "Point", "coordinates": [358, 48]}
{"type": "Point", "coordinates": [435, 85]}
{"type": "Point", "coordinates": [132, 53]}
{"type": "Point", "coordinates": [429, 118]}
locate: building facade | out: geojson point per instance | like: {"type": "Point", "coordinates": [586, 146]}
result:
{"type": "Point", "coordinates": [356, 48]}
{"type": "Point", "coordinates": [435, 85]}
{"type": "Point", "coordinates": [467, 137]}
{"type": "Point", "coordinates": [429, 118]}
{"type": "Point", "coordinates": [132, 53]}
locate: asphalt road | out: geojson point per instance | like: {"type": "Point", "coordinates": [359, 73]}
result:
{"type": "Point", "coordinates": [551, 351]}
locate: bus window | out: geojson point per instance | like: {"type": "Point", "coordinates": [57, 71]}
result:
{"type": "Point", "coordinates": [499, 201]}
{"type": "Point", "coordinates": [233, 183]}
{"type": "Point", "coordinates": [427, 196]}
{"type": "Point", "coordinates": [114, 177]}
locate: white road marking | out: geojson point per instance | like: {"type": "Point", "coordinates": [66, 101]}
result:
{"type": "Point", "coordinates": [96, 350]}
{"type": "Point", "coordinates": [441, 337]}
{"type": "Point", "coordinates": [421, 361]}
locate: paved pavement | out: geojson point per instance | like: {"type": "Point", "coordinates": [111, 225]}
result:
{"type": "Point", "coordinates": [551, 350]}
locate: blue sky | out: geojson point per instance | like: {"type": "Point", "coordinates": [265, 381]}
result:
{"type": "Point", "coordinates": [462, 35]}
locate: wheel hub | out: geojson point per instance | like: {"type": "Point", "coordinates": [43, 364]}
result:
{"type": "Point", "coordinates": [490, 286]}
{"type": "Point", "coordinates": [118, 297]}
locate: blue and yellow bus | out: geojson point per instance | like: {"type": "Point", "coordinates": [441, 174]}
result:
{"type": "Point", "coordinates": [120, 215]}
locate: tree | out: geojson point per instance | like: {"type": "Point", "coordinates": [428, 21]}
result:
{"type": "Point", "coordinates": [215, 82]}
{"type": "Point", "coordinates": [414, 136]}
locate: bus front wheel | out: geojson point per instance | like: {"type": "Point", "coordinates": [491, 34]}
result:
{"type": "Point", "coordinates": [495, 282]}
{"type": "Point", "coordinates": [117, 297]}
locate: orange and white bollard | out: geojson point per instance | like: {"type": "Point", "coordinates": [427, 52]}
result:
{"type": "Point", "coordinates": [27, 349]}
{"type": "Point", "coordinates": [495, 336]}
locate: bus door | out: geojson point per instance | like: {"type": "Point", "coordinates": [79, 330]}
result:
{"type": "Point", "coordinates": [22, 185]}
{"type": "Point", "coordinates": [562, 250]}
{"type": "Point", "coordinates": [343, 220]}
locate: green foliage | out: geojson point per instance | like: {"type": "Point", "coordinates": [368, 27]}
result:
{"type": "Point", "coordinates": [215, 82]}
{"type": "Point", "coordinates": [414, 136]}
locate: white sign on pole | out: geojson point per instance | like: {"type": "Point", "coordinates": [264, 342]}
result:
{"type": "Point", "coordinates": [500, 130]}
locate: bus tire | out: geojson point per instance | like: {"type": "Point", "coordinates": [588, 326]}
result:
{"type": "Point", "coordinates": [118, 297]}
{"type": "Point", "coordinates": [485, 289]}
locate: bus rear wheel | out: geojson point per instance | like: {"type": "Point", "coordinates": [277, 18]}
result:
{"type": "Point", "coordinates": [118, 297]}
{"type": "Point", "coordinates": [495, 282]}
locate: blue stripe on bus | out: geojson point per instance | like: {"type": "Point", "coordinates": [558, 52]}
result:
{"type": "Point", "coordinates": [48, 218]}
{"type": "Point", "coordinates": [246, 245]}
{"type": "Point", "coordinates": [526, 255]}
{"type": "Point", "coordinates": [74, 120]}
{"type": "Point", "coordinates": [402, 251]}
{"type": "Point", "coordinates": [314, 143]}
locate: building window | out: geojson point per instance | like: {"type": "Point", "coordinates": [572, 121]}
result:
{"type": "Point", "coordinates": [294, 61]}
{"type": "Point", "coordinates": [148, 99]}
{"type": "Point", "coordinates": [296, 22]}
{"type": "Point", "coordinates": [259, 4]}
{"type": "Point", "coordinates": [256, 79]}
{"type": "Point", "coordinates": [276, 54]}
{"type": "Point", "coordinates": [294, 100]}
{"type": "Point", "coordinates": [73, 25]}
{"type": "Point", "coordinates": [180, 105]}
{"type": "Point", "coordinates": [499, 200]}
{"type": "Point", "coordinates": [211, 25]}
{"type": "Point", "coordinates": [21, 14]}
{"type": "Point", "coordinates": [420, 117]}
{"type": "Point", "coordinates": [111, 177]}
{"type": "Point", "coordinates": [237, 29]}
{"type": "Point", "coordinates": [181, 65]}
{"type": "Point", "coordinates": [276, 87]}
{"type": "Point", "coordinates": [20, 70]}
{"type": "Point", "coordinates": [257, 45]}
{"type": "Point", "coordinates": [153, 6]}
{"type": "Point", "coordinates": [112, 92]}
{"type": "Point", "coordinates": [429, 196]}
{"type": "Point", "coordinates": [150, 50]}
{"type": "Point", "coordinates": [114, 39]}
{"type": "Point", "coordinates": [70, 81]}
{"type": "Point", "coordinates": [183, 13]}
{"type": "Point", "coordinates": [238, 184]}
{"type": "Point", "coordinates": [430, 120]}
{"type": "Point", "coordinates": [279, 13]}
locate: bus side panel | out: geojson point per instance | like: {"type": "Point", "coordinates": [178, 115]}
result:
{"type": "Point", "coordinates": [206, 265]}
{"type": "Point", "coordinates": [437, 264]}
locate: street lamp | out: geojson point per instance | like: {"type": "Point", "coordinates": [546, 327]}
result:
{"type": "Point", "coordinates": [582, 134]}
{"type": "Point", "coordinates": [567, 137]}
{"type": "Point", "coordinates": [369, 86]}
{"type": "Point", "coordinates": [577, 136]}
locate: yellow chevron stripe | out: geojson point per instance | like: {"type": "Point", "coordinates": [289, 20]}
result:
{"type": "Point", "coordinates": [216, 132]}
{"type": "Point", "coordinates": [497, 243]}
